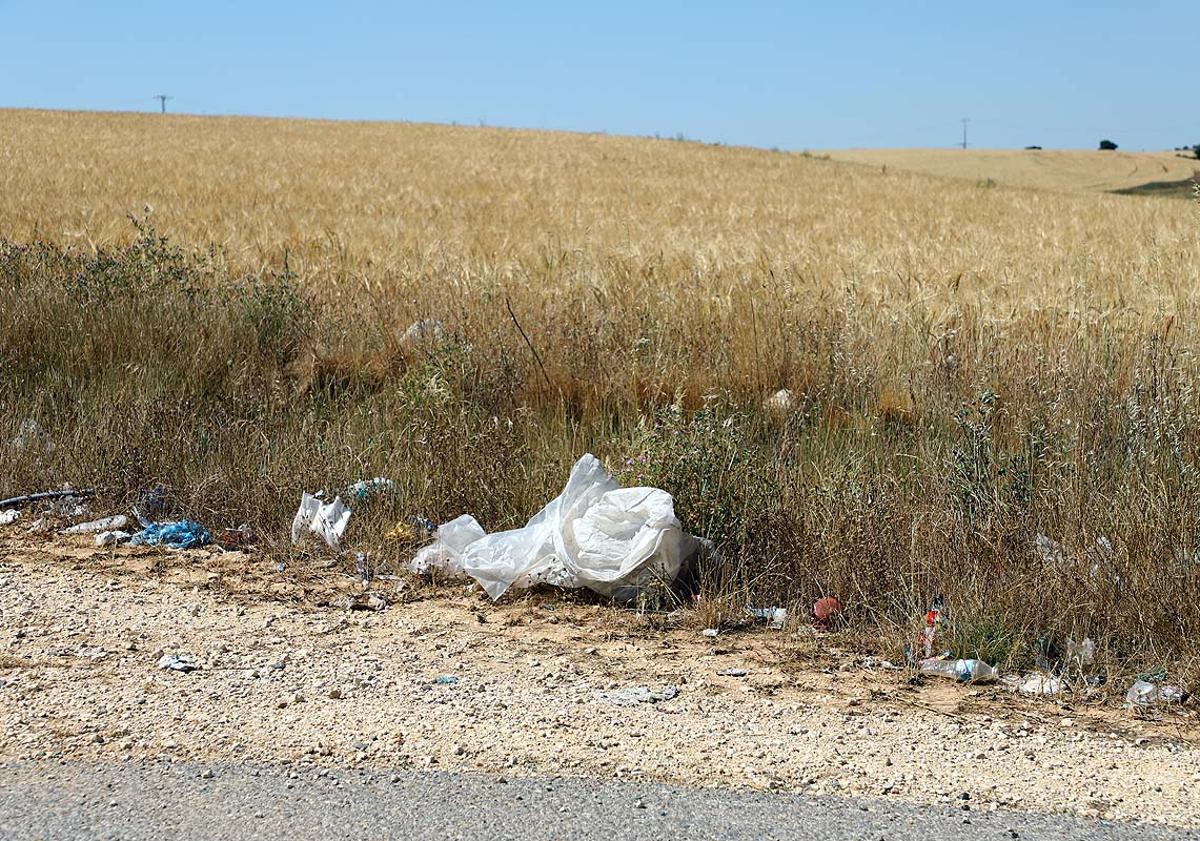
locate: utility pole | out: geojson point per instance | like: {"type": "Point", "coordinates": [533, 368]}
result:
{"type": "Point", "coordinates": [964, 140]}
{"type": "Point", "coordinates": [162, 100]}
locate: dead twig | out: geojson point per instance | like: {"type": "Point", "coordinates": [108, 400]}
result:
{"type": "Point", "coordinates": [537, 356]}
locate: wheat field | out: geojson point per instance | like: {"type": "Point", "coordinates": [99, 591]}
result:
{"type": "Point", "coordinates": [1072, 170]}
{"type": "Point", "coordinates": [218, 306]}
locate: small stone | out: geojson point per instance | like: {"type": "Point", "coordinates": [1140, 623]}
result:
{"type": "Point", "coordinates": [206, 774]}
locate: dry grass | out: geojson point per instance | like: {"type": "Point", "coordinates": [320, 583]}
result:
{"type": "Point", "coordinates": [970, 367]}
{"type": "Point", "coordinates": [1050, 169]}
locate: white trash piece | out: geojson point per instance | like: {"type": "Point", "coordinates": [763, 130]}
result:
{"type": "Point", "coordinates": [425, 330]}
{"type": "Point", "coordinates": [774, 617]}
{"type": "Point", "coordinates": [595, 534]}
{"type": "Point", "coordinates": [9, 516]}
{"type": "Point", "coordinates": [325, 519]}
{"type": "Point", "coordinates": [1080, 654]}
{"type": "Point", "coordinates": [117, 521]}
{"type": "Point", "coordinates": [112, 538]}
{"type": "Point", "coordinates": [781, 402]}
{"type": "Point", "coordinates": [1034, 683]}
{"type": "Point", "coordinates": [1146, 693]}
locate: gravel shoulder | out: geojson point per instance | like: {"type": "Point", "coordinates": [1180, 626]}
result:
{"type": "Point", "coordinates": [288, 674]}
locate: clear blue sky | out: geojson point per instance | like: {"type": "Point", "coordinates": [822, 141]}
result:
{"type": "Point", "coordinates": [792, 75]}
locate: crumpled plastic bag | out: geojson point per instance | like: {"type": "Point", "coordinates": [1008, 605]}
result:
{"type": "Point", "coordinates": [181, 534]}
{"type": "Point", "coordinates": [594, 534]}
{"type": "Point", "coordinates": [325, 519]}
{"type": "Point", "coordinates": [1145, 693]}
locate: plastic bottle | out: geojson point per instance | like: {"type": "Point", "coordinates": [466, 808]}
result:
{"type": "Point", "coordinates": [935, 620]}
{"type": "Point", "coordinates": [964, 671]}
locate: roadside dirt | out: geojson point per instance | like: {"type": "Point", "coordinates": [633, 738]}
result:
{"type": "Point", "coordinates": [290, 672]}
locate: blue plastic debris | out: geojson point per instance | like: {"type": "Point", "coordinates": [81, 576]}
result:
{"type": "Point", "coordinates": [445, 680]}
{"type": "Point", "coordinates": [181, 534]}
{"type": "Point", "coordinates": [364, 488]}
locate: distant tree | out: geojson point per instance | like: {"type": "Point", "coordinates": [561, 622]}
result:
{"type": "Point", "coordinates": [1107, 146]}
{"type": "Point", "coordinates": [1032, 148]}
{"type": "Point", "coordinates": [1196, 150]}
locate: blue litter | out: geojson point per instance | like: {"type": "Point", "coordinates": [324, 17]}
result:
{"type": "Point", "coordinates": [181, 534]}
{"type": "Point", "coordinates": [364, 488]}
{"type": "Point", "coordinates": [445, 680]}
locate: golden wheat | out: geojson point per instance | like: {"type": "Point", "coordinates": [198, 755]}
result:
{"type": "Point", "coordinates": [968, 365]}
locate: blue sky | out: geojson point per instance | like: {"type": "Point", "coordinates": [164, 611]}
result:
{"type": "Point", "coordinates": [793, 75]}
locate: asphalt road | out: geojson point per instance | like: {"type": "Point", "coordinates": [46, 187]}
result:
{"type": "Point", "coordinates": [147, 800]}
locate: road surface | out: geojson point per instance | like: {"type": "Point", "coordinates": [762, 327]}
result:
{"type": "Point", "coordinates": [164, 800]}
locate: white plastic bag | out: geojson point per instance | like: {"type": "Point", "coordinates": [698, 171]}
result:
{"type": "Point", "coordinates": [594, 534]}
{"type": "Point", "coordinates": [327, 520]}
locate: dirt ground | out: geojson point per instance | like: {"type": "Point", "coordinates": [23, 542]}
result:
{"type": "Point", "coordinates": [290, 670]}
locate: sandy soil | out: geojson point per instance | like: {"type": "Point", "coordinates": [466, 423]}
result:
{"type": "Point", "coordinates": [290, 672]}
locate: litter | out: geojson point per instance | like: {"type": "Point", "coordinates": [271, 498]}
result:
{"type": "Point", "coordinates": [445, 680]}
{"type": "Point", "coordinates": [367, 601]}
{"type": "Point", "coordinates": [827, 612]}
{"type": "Point", "coordinates": [8, 517]}
{"type": "Point", "coordinates": [936, 620]}
{"type": "Point", "coordinates": [1050, 550]}
{"type": "Point", "coordinates": [179, 662]}
{"type": "Point", "coordinates": [1034, 683]}
{"type": "Point", "coordinates": [423, 330]}
{"type": "Point", "coordinates": [1080, 654]}
{"type": "Point", "coordinates": [181, 534]}
{"type": "Point", "coordinates": [411, 529]}
{"type": "Point", "coordinates": [325, 519]}
{"type": "Point", "coordinates": [633, 695]}
{"type": "Point", "coordinates": [781, 402]}
{"type": "Point", "coordinates": [595, 534]}
{"type": "Point", "coordinates": [711, 632]}
{"type": "Point", "coordinates": [361, 568]}
{"type": "Point", "coordinates": [117, 521]}
{"type": "Point", "coordinates": [30, 435]}
{"type": "Point", "coordinates": [964, 671]}
{"type": "Point", "coordinates": [152, 505]}
{"type": "Point", "coordinates": [1145, 693]}
{"type": "Point", "coordinates": [112, 538]}
{"type": "Point", "coordinates": [364, 488]}
{"type": "Point", "coordinates": [69, 508]}
{"type": "Point", "coordinates": [774, 617]}
{"type": "Point", "coordinates": [235, 538]}
{"type": "Point", "coordinates": [17, 501]}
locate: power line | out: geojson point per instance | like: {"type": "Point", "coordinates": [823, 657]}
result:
{"type": "Point", "coordinates": [162, 100]}
{"type": "Point", "coordinates": [964, 140]}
